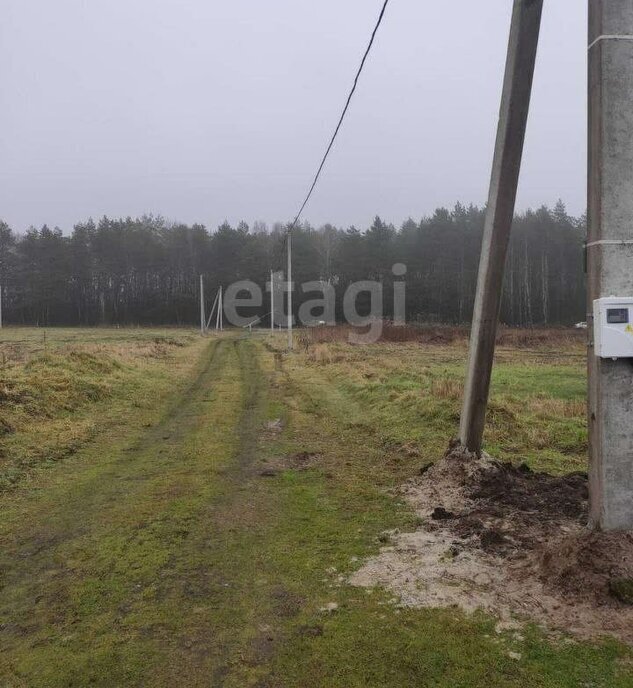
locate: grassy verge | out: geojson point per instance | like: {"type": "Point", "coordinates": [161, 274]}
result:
{"type": "Point", "coordinates": [61, 388]}
{"type": "Point", "coordinates": [412, 394]}
{"type": "Point", "coordinates": [333, 513]}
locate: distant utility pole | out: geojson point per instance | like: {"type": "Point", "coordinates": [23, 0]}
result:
{"type": "Point", "coordinates": [203, 320]}
{"type": "Point", "coordinates": [272, 302]}
{"type": "Point", "coordinates": [290, 340]}
{"type": "Point", "coordinates": [0, 307]}
{"type": "Point", "coordinates": [212, 311]}
{"type": "Point", "coordinates": [610, 257]}
{"type": "Point", "coordinates": [515, 103]}
{"type": "Point", "coordinates": [219, 317]}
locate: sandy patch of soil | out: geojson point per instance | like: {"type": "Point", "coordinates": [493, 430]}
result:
{"type": "Point", "coordinates": [511, 542]}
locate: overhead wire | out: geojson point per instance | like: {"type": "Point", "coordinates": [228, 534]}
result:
{"type": "Point", "coordinates": [340, 121]}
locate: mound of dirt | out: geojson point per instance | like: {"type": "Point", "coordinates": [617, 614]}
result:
{"type": "Point", "coordinates": [586, 566]}
{"type": "Point", "coordinates": [510, 541]}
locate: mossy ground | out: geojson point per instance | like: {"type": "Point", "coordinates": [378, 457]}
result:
{"type": "Point", "coordinates": [160, 552]}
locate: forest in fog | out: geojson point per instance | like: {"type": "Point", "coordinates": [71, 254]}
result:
{"type": "Point", "coordinates": [146, 270]}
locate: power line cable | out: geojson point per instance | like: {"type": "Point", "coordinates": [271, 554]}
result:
{"type": "Point", "coordinates": [342, 117]}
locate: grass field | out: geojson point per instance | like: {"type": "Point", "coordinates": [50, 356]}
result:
{"type": "Point", "coordinates": [186, 511]}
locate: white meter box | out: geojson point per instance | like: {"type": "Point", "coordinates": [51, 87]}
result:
{"type": "Point", "coordinates": [613, 327]}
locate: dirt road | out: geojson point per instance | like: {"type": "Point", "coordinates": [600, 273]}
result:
{"type": "Point", "coordinates": [213, 547]}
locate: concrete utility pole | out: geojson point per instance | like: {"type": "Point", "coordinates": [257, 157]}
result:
{"type": "Point", "coordinates": [272, 302]}
{"type": "Point", "coordinates": [219, 322]}
{"type": "Point", "coordinates": [610, 256]}
{"type": "Point", "coordinates": [212, 311]}
{"type": "Point", "coordinates": [515, 104]}
{"type": "Point", "coordinates": [290, 340]}
{"type": "Point", "coordinates": [203, 321]}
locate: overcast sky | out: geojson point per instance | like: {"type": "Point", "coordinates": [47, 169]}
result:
{"type": "Point", "coordinates": [202, 110]}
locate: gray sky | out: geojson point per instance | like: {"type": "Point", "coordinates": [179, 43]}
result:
{"type": "Point", "coordinates": [202, 110]}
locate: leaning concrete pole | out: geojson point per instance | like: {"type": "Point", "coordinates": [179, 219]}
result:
{"type": "Point", "coordinates": [610, 256]}
{"type": "Point", "coordinates": [515, 104]}
{"type": "Point", "coordinates": [221, 311]}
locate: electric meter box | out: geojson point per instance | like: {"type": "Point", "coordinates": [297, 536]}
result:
{"type": "Point", "coordinates": [613, 327]}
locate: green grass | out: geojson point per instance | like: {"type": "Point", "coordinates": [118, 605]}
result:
{"type": "Point", "coordinates": [413, 394]}
{"type": "Point", "coordinates": [156, 553]}
{"type": "Point", "coordinates": [60, 388]}
{"type": "Point", "coordinates": [97, 550]}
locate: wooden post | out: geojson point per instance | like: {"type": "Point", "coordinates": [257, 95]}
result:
{"type": "Point", "coordinates": [515, 104]}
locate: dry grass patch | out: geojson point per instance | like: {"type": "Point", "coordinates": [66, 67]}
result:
{"type": "Point", "coordinates": [561, 408]}
{"type": "Point", "coordinates": [321, 354]}
{"type": "Point", "coordinates": [57, 391]}
{"type": "Point", "coordinates": [514, 337]}
{"type": "Point", "coordinates": [447, 388]}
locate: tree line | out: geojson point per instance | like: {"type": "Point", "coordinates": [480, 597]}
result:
{"type": "Point", "coordinates": [146, 270]}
